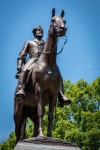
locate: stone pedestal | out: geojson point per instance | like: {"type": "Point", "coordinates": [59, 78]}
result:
{"type": "Point", "coordinates": [45, 143]}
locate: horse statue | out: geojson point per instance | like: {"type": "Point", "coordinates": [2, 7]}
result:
{"type": "Point", "coordinates": [43, 84]}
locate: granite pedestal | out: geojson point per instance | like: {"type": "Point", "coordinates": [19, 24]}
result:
{"type": "Point", "coordinates": [45, 143]}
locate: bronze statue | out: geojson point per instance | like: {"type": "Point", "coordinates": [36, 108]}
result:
{"type": "Point", "coordinates": [34, 48]}
{"type": "Point", "coordinates": [40, 81]}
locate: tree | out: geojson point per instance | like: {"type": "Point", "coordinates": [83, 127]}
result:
{"type": "Point", "coordinates": [78, 122]}
{"type": "Point", "coordinates": [85, 110]}
{"type": "Point", "coordinates": [9, 144]}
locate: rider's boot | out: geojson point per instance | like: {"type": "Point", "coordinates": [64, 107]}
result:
{"type": "Point", "coordinates": [21, 84]}
{"type": "Point", "coordinates": [63, 99]}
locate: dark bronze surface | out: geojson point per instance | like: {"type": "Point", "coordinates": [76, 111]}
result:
{"type": "Point", "coordinates": [40, 82]}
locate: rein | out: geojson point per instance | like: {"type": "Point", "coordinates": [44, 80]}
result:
{"type": "Point", "coordinates": [55, 46]}
{"type": "Point", "coordinates": [62, 46]}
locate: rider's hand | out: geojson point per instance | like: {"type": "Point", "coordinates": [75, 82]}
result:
{"type": "Point", "coordinates": [19, 68]}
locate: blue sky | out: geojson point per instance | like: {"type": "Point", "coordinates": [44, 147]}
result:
{"type": "Point", "coordinates": [79, 59]}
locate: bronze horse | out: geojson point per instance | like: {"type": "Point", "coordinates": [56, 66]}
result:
{"type": "Point", "coordinates": [43, 84]}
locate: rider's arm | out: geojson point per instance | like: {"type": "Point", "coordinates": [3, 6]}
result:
{"type": "Point", "coordinates": [22, 56]}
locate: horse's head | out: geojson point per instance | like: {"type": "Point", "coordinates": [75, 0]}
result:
{"type": "Point", "coordinates": [57, 27]}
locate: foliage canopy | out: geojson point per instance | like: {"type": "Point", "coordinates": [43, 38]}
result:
{"type": "Point", "coordinates": [78, 123]}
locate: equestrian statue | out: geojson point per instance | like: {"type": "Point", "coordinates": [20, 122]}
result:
{"type": "Point", "coordinates": [39, 79]}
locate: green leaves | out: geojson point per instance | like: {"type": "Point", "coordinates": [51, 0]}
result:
{"type": "Point", "coordinates": [82, 123]}
{"type": "Point", "coordinates": [92, 139]}
{"type": "Point", "coordinates": [9, 144]}
{"type": "Point", "coordinates": [78, 122]}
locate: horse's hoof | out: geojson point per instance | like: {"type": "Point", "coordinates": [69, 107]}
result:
{"type": "Point", "coordinates": [41, 135]}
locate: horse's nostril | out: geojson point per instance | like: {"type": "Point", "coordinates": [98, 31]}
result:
{"type": "Point", "coordinates": [63, 28]}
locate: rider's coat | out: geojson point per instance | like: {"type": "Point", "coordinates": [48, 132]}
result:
{"type": "Point", "coordinates": [34, 49]}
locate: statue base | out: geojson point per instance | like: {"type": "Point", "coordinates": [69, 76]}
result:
{"type": "Point", "coordinates": [45, 143]}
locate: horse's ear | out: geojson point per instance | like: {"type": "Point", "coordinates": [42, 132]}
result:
{"type": "Point", "coordinates": [62, 13]}
{"type": "Point", "coordinates": [53, 12]}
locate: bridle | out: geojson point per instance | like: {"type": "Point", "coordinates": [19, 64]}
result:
{"type": "Point", "coordinates": [55, 27]}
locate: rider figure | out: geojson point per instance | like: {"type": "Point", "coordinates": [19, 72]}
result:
{"type": "Point", "coordinates": [34, 48]}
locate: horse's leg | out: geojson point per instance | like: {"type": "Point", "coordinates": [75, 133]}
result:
{"type": "Point", "coordinates": [19, 120]}
{"type": "Point", "coordinates": [36, 127]}
{"type": "Point", "coordinates": [34, 117]}
{"type": "Point", "coordinates": [52, 103]}
{"type": "Point", "coordinates": [38, 95]}
{"type": "Point", "coordinates": [23, 129]}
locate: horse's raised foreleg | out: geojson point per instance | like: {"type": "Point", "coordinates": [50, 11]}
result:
{"type": "Point", "coordinates": [38, 95]}
{"type": "Point", "coordinates": [52, 103]}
